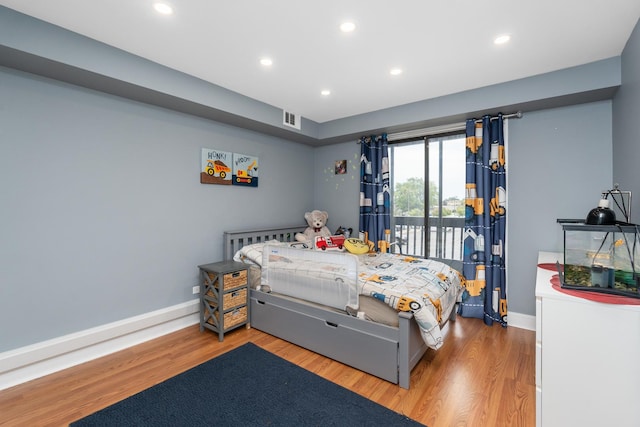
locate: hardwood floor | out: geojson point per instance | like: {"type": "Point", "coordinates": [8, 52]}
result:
{"type": "Point", "coordinates": [482, 376]}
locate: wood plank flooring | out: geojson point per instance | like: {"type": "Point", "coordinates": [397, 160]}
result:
{"type": "Point", "coordinates": [482, 376]}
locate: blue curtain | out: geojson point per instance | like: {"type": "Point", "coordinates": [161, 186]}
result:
{"type": "Point", "coordinates": [484, 296]}
{"type": "Point", "coordinates": [375, 201]}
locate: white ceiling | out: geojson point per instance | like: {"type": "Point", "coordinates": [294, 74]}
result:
{"type": "Point", "coordinates": [443, 46]}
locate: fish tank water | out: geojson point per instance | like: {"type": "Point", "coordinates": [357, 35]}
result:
{"type": "Point", "coordinates": [601, 258]}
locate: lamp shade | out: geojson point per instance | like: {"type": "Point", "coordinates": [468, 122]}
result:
{"type": "Point", "coordinates": [602, 215]}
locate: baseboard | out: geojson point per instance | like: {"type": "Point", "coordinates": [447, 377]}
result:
{"type": "Point", "coordinates": [522, 321]}
{"type": "Point", "coordinates": [40, 359]}
{"type": "Point", "coordinates": [37, 360]}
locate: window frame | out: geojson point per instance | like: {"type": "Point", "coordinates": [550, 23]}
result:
{"type": "Point", "coordinates": [426, 140]}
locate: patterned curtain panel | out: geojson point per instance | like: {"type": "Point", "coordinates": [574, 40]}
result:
{"type": "Point", "coordinates": [375, 201]}
{"type": "Point", "coordinates": [485, 222]}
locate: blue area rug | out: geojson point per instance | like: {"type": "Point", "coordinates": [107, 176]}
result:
{"type": "Point", "coordinates": [247, 386]}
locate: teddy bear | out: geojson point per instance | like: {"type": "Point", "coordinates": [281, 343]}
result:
{"type": "Point", "coordinates": [316, 221]}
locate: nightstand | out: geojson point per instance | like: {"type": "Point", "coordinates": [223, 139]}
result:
{"type": "Point", "coordinates": [223, 296]}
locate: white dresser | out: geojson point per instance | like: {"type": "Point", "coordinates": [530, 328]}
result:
{"type": "Point", "coordinates": [587, 358]}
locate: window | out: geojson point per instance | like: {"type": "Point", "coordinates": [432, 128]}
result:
{"type": "Point", "coordinates": [435, 203]}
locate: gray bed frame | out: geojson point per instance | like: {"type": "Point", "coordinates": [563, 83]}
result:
{"type": "Point", "coordinates": [387, 352]}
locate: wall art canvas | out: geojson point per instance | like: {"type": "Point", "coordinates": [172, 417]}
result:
{"type": "Point", "coordinates": [216, 167]}
{"type": "Point", "coordinates": [245, 170]}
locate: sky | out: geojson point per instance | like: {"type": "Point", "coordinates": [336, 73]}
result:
{"type": "Point", "coordinates": [411, 157]}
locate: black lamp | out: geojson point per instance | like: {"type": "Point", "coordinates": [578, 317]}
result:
{"type": "Point", "coordinates": [602, 215]}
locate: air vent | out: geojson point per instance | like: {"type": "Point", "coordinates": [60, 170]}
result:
{"type": "Point", "coordinates": [291, 119]}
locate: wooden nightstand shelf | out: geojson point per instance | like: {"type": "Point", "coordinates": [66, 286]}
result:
{"type": "Point", "coordinates": [223, 297]}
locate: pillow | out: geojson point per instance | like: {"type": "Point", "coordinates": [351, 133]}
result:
{"type": "Point", "coordinates": [356, 246]}
{"type": "Point", "coordinates": [253, 253]}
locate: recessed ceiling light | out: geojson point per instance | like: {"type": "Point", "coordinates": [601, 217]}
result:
{"type": "Point", "coordinates": [395, 71]}
{"type": "Point", "coordinates": [267, 62]}
{"type": "Point", "coordinates": [163, 8]}
{"type": "Point", "coordinates": [502, 39]}
{"type": "Point", "coordinates": [347, 27]}
{"type": "Point", "coordinates": [325, 92]}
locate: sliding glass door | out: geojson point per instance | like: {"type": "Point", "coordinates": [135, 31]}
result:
{"type": "Point", "coordinates": [428, 184]}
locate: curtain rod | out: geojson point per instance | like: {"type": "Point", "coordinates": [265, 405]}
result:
{"type": "Point", "coordinates": [418, 133]}
{"type": "Point", "coordinates": [516, 115]}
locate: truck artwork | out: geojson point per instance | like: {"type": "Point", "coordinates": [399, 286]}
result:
{"type": "Point", "coordinates": [216, 168]}
{"type": "Point", "coordinates": [499, 304]}
{"type": "Point", "coordinates": [399, 303]}
{"type": "Point", "coordinates": [381, 278]}
{"type": "Point", "coordinates": [245, 175]}
{"type": "Point", "coordinates": [475, 286]}
{"type": "Point", "coordinates": [474, 143]}
{"type": "Point", "coordinates": [474, 205]}
{"type": "Point", "coordinates": [498, 203]}
{"type": "Point", "coordinates": [497, 158]}
{"type": "Point", "coordinates": [475, 250]}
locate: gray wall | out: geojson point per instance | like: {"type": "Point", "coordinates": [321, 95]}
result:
{"type": "Point", "coordinates": [338, 194]}
{"type": "Point", "coordinates": [559, 160]}
{"type": "Point", "coordinates": [626, 122]}
{"type": "Point", "coordinates": [103, 215]}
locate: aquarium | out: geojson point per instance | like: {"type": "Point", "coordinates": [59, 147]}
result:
{"type": "Point", "coordinates": [601, 258]}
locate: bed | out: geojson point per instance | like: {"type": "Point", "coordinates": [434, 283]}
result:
{"type": "Point", "coordinates": [355, 317]}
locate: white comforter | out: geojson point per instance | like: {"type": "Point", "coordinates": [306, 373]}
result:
{"type": "Point", "coordinates": [428, 289]}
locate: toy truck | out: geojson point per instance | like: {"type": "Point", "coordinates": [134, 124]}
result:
{"type": "Point", "coordinates": [330, 243]}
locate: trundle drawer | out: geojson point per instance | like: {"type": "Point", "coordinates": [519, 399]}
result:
{"type": "Point", "coordinates": [331, 338]}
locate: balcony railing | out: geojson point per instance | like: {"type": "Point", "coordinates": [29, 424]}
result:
{"type": "Point", "coordinates": [445, 239]}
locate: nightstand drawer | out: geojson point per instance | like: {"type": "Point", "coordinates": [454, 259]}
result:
{"type": "Point", "coordinates": [229, 299]}
{"type": "Point", "coordinates": [235, 279]}
{"type": "Point", "coordinates": [230, 280]}
{"type": "Point", "coordinates": [231, 318]}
